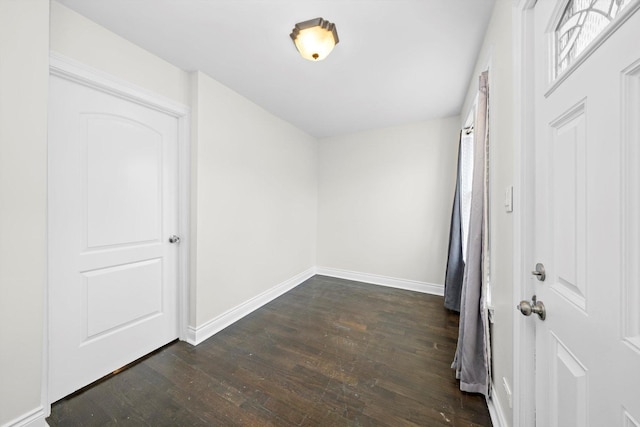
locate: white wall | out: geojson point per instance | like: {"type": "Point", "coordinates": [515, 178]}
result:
{"type": "Point", "coordinates": [81, 39]}
{"type": "Point", "coordinates": [24, 72]}
{"type": "Point", "coordinates": [496, 53]}
{"type": "Point", "coordinates": [256, 190]}
{"type": "Point", "coordinates": [385, 200]}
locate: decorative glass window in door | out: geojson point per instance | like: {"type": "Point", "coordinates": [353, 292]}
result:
{"type": "Point", "coordinates": [581, 22]}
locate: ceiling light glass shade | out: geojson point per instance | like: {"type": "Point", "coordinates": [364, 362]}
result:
{"type": "Point", "coordinates": [315, 38]}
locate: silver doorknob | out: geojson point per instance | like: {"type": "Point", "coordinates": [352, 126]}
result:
{"type": "Point", "coordinates": [174, 239]}
{"type": "Point", "coordinates": [534, 306]}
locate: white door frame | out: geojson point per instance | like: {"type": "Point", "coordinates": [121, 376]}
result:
{"type": "Point", "coordinates": [524, 143]}
{"type": "Point", "coordinates": [85, 75]}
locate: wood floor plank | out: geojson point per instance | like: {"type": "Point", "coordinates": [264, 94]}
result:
{"type": "Point", "coordinates": [330, 352]}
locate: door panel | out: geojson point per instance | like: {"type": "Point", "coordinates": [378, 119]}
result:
{"type": "Point", "coordinates": [568, 179]}
{"type": "Point", "coordinates": [123, 169]}
{"type": "Point", "coordinates": [118, 296]}
{"type": "Point", "coordinates": [631, 204]}
{"type": "Point", "coordinates": [568, 387]}
{"type": "Point", "coordinates": [112, 207]}
{"type": "Point", "coordinates": [587, 192]}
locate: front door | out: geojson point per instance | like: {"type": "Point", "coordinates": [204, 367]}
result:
{"type": "Point", "coordinates": [112, 208]}
{"type": "Point", "coordinates": [587, 213]}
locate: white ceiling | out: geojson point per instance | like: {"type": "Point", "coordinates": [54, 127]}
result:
{"type": "Point", "coordinates": [398, 61]}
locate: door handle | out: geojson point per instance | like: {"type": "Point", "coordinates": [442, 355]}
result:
{"type": "Point", "coordinates": [535, 306]}
{"type": "Point", "coordinates": [174, 239]}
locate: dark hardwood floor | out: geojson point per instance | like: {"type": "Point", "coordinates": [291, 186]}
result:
{"type": "Point", "coordinates": [330, 352]}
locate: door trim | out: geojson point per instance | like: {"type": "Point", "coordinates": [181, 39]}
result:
{"type": "Point", "coordinates": [524, 140]}
{"type": "Point", "coordinates": [69, 69]}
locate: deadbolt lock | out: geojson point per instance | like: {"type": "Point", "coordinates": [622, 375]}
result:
{"type": "Point", "coordinates": [539, 272]}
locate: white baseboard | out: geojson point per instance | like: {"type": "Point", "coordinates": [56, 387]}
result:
{"type": "Point", "coordinates": [34, 418]}
{"type": "Point", "coordinates": [197, 335]}
{"type": "Point", "coordinates": [495, 410]}
{"type": "Point", "coordinates": [409, 285]}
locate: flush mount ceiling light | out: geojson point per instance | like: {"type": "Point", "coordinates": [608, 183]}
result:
{"type": "Point", "coordinates": [314, 38]}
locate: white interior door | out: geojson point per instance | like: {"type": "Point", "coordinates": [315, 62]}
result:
{"type": "Point", "coordinates": [112, 208]}
{"type": "Point", "coordinates": [586, 224]}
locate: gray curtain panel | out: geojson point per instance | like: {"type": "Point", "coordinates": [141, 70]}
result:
{"type": "Point", "coordinates": [455, 263]}
{"type": "Point", "coordinates": [472, 360]}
